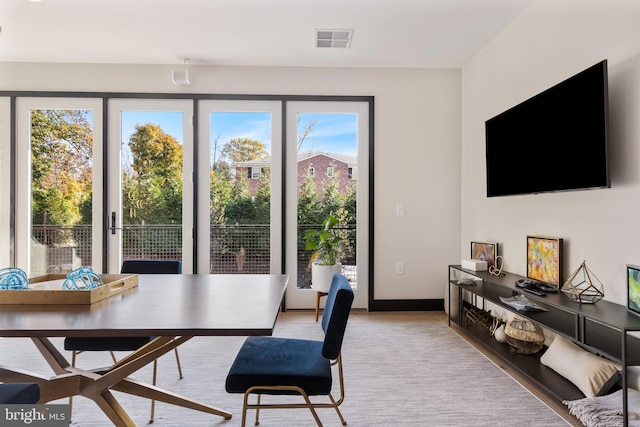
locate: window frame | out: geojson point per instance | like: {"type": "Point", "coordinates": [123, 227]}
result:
{"type": "Point", "coordinates": [106, 97]}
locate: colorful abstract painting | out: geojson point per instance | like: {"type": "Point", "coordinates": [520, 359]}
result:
{"type": "Point", "coordinates": [633, 281]}
{"type": "Point", "coordinates": [544, 259]}
{"type": "Point", "coordinates": [484, 252]}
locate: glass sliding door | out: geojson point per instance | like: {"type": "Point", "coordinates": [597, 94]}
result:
{"type": "Point", "coordinates": [6, 254]}
{"type": "Point", "coordinates": [150, 201]}
{"type": "Point", "coordinates": [329, 177]}
{"type": "Point", "coordinates": [239, 192]}
{"type": "Point", "coordinates": [58, 185]}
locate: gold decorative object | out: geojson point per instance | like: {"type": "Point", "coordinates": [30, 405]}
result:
{"type": "Point", "coordinates": [479, 316]}
{"type": "Point", "coordinates": [583, 286]}
{"type": "Point", "coordinates": [525, 336]}
{"type": "Point", "coordinates": [496, 269]}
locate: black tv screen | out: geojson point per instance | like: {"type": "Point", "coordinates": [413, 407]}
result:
{"type": "Point", "coordinates": [554, 141]}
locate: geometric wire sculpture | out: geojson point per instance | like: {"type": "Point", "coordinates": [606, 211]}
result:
{"type": "Point", "coordinates": [13, 279]}
{"type": "Point", "coordinates": [82, 278]}
{"type": "Point", "coordinates": [583, 286]}
{"type": "Point", "coordinates": [477, 315]}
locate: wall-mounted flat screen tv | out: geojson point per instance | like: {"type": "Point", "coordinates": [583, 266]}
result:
{"type": "Point", "coordinates": [554, 141]}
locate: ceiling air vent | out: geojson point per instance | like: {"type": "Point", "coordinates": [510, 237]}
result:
{"type": "Point", "coordinates": [333, 38]}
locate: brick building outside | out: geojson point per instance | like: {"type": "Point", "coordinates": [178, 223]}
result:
{"type": "Point", "coordinates": [319, 165]}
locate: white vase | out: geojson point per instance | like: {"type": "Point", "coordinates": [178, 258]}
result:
{"type": "Point", "coordinates": [322, 275]}
{"type": "Point", "coordinates": [500, 335]}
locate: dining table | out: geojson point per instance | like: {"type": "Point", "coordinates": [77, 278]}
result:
{"type": "Point", "coordinates": [170, 308]}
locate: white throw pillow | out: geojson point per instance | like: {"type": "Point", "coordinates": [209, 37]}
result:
{"type": "Point", "coordinates": [592, 374]}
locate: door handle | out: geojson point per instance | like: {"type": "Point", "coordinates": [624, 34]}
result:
{"type": "Point", "coordinates": [113, 223]}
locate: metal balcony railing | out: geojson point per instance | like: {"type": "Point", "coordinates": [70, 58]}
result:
{"type": "Point", "coordinates": [235, 249]}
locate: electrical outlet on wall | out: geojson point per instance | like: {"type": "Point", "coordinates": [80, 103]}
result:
{"type": "Point", "coordinates": [399, 267]}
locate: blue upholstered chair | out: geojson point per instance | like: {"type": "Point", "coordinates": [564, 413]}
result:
{"type": "Point", "coordinates": [19, 393]}
{"type": "Point", "coordinates": [111, 344]}
{"type": "Point", "coordinates": [287, 366]}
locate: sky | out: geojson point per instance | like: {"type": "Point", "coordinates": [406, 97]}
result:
{"type": "Point", "coordinates": [331, 132]}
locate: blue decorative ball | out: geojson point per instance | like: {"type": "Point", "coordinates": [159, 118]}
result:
{"type": "Point", "coordinates": [82, 278]}
{"type": "Point", "coordinates": [13, 279]}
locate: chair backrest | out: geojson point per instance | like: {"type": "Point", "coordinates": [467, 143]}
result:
{"type": "Point", "coordinates": [151, 266]}
{"type": "Point", "coordinates": [336, 314]}
{"type": "Point", "coordinates": [19, 393]}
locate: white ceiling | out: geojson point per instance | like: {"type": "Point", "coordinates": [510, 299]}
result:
{"type": "Point", "coordinates": [386, 33]}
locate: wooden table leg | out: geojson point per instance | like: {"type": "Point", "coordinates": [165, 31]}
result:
{"type": "Point", "coordinates": [318, 296]}
{"type": "Point", "coordinates": [96, 384]}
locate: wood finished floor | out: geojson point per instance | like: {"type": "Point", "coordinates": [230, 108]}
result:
{"type": "Point", "coordinates": [440, 316]}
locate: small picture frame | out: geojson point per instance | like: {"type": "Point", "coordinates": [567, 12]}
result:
{"type": "Point", "coordinates": [544, 259]}
{"type": "Point", "coordinates": [633, 288]}
{"type": "Point", "coordinates": [485, 251]}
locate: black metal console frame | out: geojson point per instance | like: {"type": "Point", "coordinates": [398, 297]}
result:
{"type": "Point", "coordinates": [602, 328]}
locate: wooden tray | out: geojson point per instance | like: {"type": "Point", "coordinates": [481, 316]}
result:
{"type": "Point", "coordinates": [48, 290]}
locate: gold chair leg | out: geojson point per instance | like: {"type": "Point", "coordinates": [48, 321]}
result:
{"type": "Point", "coordinates": [153, 402]}
{"type": "Point", "coordinates": [178, 362]}
{"type": "Point", "coordinates": [307, 403]}
{"type": "Point", "coordinates": [73, 364]}
{"type": "Point", "coordinates": [258, 411]}
{"type": "Point", "coordinates": [318, 296]}
{"type": "Point", "coordinates": [342, 420]}
{"type": "Point", "coordinates": [244, 410]}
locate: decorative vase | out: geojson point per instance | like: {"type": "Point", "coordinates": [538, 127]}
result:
{"type": "Point", "coordinates": [499, 334]}
{"type": "Point", "coordinates": [322, 275]}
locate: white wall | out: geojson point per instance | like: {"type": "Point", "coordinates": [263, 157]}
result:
{"type": "Point", "coordinates": [417, 146]}
{"type": "Point", "coordinates": [547, 43]}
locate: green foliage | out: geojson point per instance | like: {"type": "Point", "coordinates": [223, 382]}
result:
{"type": "Point", "coordinates": [325, 242]}
{"type": "Point", "coordinates": [59, 209]}
{"type": "Point", "coordinates": [86, 207]}
{"type": "Point", "coordinates": [262, 199]}
{"type": "Point", "coordinates": [240, 209]}
{"type": "Point", "coordinates": [153, 186]}
{"type": "Point", "coordinates": [62, 168]}
{"type": "Point", "coordinates": [309, 205]}
{"type": "Point", "coordinates": [333, 198]}
{"type": "Point", "coordinates": [220, 195]}
{"type": "Point", "coordinates": [155, 153]}
{"type": "Point", "coordinates": [244, 149]}
{"type": "Point", "coordinates": [61, 165]}
{"type": "Point", "coordinates": [350, 203]}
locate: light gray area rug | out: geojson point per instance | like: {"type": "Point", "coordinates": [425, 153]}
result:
{"type": "Point", "coordinates": [404, 372]}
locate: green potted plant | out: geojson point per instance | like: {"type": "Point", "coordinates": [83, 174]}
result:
{"type": "Point", "coordinates": [325, 260]}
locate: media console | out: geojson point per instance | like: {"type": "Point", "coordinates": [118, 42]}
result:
{"type": "Point", "coordinates": [604, 328]}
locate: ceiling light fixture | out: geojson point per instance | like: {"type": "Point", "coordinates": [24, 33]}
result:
{"type": "Point", "coordinates": [334, 38]}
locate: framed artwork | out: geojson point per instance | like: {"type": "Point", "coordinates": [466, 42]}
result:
{"type": "Point", "coordinates": [485, 252]}
{"type": "Point", "coordinates": [633, 288]}
{"type": "Point", "coordinates": [544, 259]}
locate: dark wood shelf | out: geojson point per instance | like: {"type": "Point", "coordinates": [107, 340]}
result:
{"type": "Point", "coordinates": [527, 364]}
{"type": "Point", "coordinates": [599, 328]}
